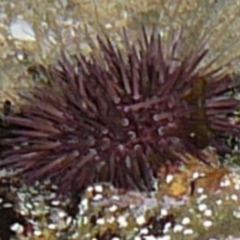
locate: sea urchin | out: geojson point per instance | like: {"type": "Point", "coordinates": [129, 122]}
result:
{"type": "Point", "coordinates": [120, 115]}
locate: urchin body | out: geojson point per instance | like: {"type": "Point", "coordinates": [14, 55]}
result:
{"type": "Point", "coordinates": [119, 118]}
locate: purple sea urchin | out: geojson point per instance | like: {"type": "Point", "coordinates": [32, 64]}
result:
{"type": "Point", "coordinates": [120, 116]}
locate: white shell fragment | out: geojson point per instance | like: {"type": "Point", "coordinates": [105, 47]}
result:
{"type": "Point", "coordinates": [21, 30]}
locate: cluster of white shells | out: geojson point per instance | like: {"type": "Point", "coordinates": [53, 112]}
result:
{"type": "Point", "coordinates": [119, 210]}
